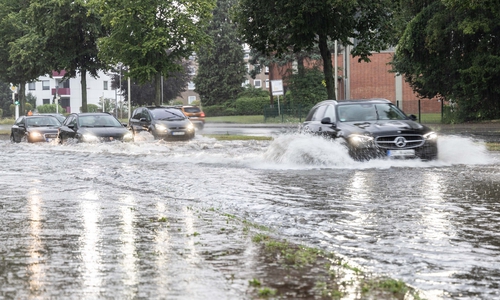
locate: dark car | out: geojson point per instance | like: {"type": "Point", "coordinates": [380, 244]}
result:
{"type": "Point", "coordinates": [162, 122]}
{"type": "Point", "coordinates": [93, 127]}
{"type": "Point", "coordinates": [34, 129]}
{"type": "Point", "coordinates": [372, 128]}
{"type": "Point", "coordinates": [195, 115]}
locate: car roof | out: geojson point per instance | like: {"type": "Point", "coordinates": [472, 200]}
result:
{"type": "Point", "coordinates": [93, 114]}
{"type": "Point", "coordinates": [352, 101]}
{"type": "Point", "coordinates": [161, 107]}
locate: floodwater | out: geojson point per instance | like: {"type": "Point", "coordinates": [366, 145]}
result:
{"type": "Point", "coordinates": [137, 221]}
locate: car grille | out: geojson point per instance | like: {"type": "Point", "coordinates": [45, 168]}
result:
{"type": "Point", "coordinates": [400, 141]}
{"type": "Point", "coordinates": [177, 128]}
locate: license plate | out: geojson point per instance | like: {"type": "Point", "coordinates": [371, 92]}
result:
{"type": "Point", "coordinates": [395, 153]}
{"type": "Point", "coordinates": [178, 133]}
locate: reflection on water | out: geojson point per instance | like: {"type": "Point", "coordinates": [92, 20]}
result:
{"type": "Point", "coordinates": [122, 220]}
{"type": "Point", "coordinates": [91, 243]}
{"type": "Point", "coordinates": [35, 271]}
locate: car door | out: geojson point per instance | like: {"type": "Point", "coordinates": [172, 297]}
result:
{"type": "Point", "coordinates": [68, 128]}
{"type": "Point", "coordinates": [313, 120]}
{"type": "Point", "coordinates": [19, 129]}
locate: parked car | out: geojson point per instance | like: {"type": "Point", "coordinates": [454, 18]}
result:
{"type": "Point", "coordinates": [162, 122]}
{"type": "Point", "coordinates": [372, 128]}
{"type": "Point", "coordinates": [34, 129]}
{"type": "Point", "coordinates": [60, 117]}
{"type": "Point", "coordinates": [195, 115]}
{"type": "Point", "coordinates": [93, 127]}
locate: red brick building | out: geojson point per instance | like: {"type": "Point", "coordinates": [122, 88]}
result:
{"type": "Point", "coordinates": [372, 80]}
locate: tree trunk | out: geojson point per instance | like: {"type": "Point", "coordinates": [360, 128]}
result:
{"type": "Point", "coordinates": [21, 94]}
{"type": "Point", "coordinates": [158, 88]}
{"type": "Point", "coordinates": [83, 81]}
{"type": "Point", "coordinates": [327, 66]}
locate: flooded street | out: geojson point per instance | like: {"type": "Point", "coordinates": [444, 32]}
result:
{"type": "Point", "coordinates": [149, 219]}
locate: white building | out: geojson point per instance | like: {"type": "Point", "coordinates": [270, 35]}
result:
{"type": "Point", "coordinates": [70, 90]}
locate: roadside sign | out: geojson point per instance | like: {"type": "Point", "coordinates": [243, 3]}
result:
{"type": "Point", "coordinates": [13, 88]}
{"type": "Point", "coordinates": [277, 87]}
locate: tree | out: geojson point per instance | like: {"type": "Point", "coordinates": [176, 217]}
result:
{"type": "Point", "coordinates": [221, 69]}
{"type": "Point", "coordinates": [283, 26]}
{"type": "Point", "coordinates": [17, 36]}
{"type": "Point", "coordinates": [69, 30]}
{"type": "Point", "coordinates": [450, 49]}
{"type": "Point", "coordinates": [151, 37]}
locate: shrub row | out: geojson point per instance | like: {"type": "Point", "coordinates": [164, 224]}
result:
{"type": "Point", "coordinates": [241, 107]}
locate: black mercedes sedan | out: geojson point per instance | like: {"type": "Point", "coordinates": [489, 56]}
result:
{"type": "Point", "coordinates": [93, 127]}
{"type": "Point", "coordinates": [163, 122]}
{"type": "Point", "coordinates": [34, 129]}
{"type": "Point", "coordinates": [372, 128]}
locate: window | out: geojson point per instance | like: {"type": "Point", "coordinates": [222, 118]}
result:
{"type": "Point", "coordinates": [46, 101]}
{"type": "Point", "coordinates": [257, 83]}
{"type": "Point", "coordinates": [267, 83]}
{"type": "Point", "coordinates": [105, 85]}
{"type": "Point", "coordinates": [31, 86]}
{"type": "Point", "coordinates": [191, 99]}
{"type": "Point", "coordinates": [248, 68]}
{"type": "Point", "coordinates": [245, 83]}
{"type": "Point", "coordinates": [45, 85]}
{"type": "Point", "coordinates": [191, 86]}
{"type": "Point", "coordinates": [246, 56]}
{"type": "Point", "coordinates": [267, 70]}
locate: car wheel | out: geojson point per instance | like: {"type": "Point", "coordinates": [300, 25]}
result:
{"type": "Point", "coordinates": [12, 139]}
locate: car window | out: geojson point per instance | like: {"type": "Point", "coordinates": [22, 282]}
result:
{"type": "Point", "coordinates": [168, 114]}
{"type": "Point", "coordinates": [70, 120]}
{"type": "Point", "coordinates": [20, 120]}
{"type": "Point", "coordinates": [389, 112]}
{"type": "Point", "coordinates": [311, 114]}
{"type": "Point", "coordinates": [330, 113]}
{"type": "Point", "coordinates": [192, 109]}
{"type": "Point", "coordinates": [318, 115]}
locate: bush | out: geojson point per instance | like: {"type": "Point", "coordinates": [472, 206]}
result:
{"type": "Point", "coordinates": [1, 112]}
{"type": "Point", "coordinates": [217, 111]}
{"type": "Point", "coordinates": [251, 105]}
{"type": "Point", "coordinates": [49, 108]}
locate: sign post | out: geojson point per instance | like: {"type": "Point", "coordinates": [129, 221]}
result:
{"type": "Point", "coordinates": [277, 90]}
{"type": "Point", "coordinates": [13, 88]}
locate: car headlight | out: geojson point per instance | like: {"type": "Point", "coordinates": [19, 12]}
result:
{"type": "Point", "coordinates": [128, 136]}
{"type": "Point", "coordinates": [89, 138]}
{"type": "Point", "coordinates": [359, 140]}
{"type": "Point", "coordinates": [35, 135]}
{"type": "Point", "coordinates": [161, 127]}
{"type": "Point", "coordinates": [431, 136]}
{"type": "Point", "coordinates": [190, 127]}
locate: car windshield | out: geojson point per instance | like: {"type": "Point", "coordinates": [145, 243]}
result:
{"type": "Point", "coordinates": [369, 112]}
{"type": "Point", "coordinates": [168, 114]}
{"type": "Point", "coordinates": [42, 122]}
{"type": "Point", "coordinates": [98, 121]}
{"type": "Point", "coordinates": [192, 109]}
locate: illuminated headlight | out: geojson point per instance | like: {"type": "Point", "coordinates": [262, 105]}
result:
{"type": "Point", "coordinates": [35, 135]}
{"type": "Point", "coordinates": [89, 138]}
{"type": "Point", "coordinates": [190, 127]}
{"type": "Point", "coordinates": [359, 140]}
{"type": "Point", "coordinates": [161, 127]}
{"type": "Point", "coordinates": [128, 136]}
{"type": "Point", "coordinates": [431, 136]}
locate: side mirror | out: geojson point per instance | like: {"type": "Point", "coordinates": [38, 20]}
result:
{"type": "Point", "coordinates": [142, 119]}
{"type": "Point", "coordinates": [413, 117]}
{"type": "Point", "coordinates": [328, 121]}
{"type": "Point", "coordinates": [72, 126]}
{"type": "Point", "coordinates": [22, 125]}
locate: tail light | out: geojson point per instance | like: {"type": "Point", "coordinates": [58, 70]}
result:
{"type": "Point", "coordinates": [202, 114]}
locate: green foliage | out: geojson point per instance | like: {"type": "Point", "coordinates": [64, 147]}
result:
{"type": "Point", "coordinates": [275, 28]}
{"type": "Point", "coordinates": [251, 105]}
{"type": "Point", "coordinates": [253, 92]}
{"type": "Point", "coordinates": [450, 49]}
{"type": "Point", "coordinates": [92, 108]}
{"type": "Point", "coordinates": [49, 108]}
{"type": "Point", "coordinates": [219, 110]}
{"type": "Point", "coordinates": [221, 68]}
{"type": "Point", "coordinates": [151, 37]}
{"type": "Point", "coordinates": [31, 99]}
{"type": "Point", "coordinates": [306, 88]}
